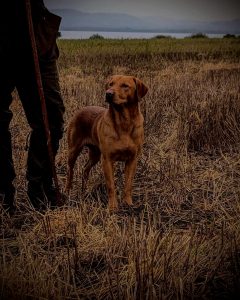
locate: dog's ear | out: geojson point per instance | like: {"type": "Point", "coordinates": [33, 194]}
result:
{"type": "Point", "coordinates": [141, 88]}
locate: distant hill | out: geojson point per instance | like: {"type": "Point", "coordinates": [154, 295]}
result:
{"type": "Point", "coordinates": [77, 20]}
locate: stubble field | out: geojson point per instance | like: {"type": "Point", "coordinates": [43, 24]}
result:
{"type": "Point", "coordinates": [184, 242]}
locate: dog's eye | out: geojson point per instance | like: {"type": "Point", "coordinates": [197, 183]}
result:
{"type": "Point", "coordinates": [111, 83]}
{"type": "Point", "coordinates": [124, 85]}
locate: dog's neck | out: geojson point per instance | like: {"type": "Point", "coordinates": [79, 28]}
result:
{"type": "Point", "coordinates": [124, 116]}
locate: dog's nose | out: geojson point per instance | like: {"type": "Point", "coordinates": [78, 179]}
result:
{"type": "Point", "coordinates": [109, 95]}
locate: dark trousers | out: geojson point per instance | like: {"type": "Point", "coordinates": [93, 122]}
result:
{"type": "Point", "coordinates": [19, 74]}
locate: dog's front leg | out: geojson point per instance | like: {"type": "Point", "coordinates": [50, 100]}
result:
{"type": "Point", "coordinates": [130, 169]}
{"type": "Point", "coordinates": [109, 178]}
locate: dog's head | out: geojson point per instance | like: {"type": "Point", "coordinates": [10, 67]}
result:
{"type": "Point", "coordinates": [122, 89]}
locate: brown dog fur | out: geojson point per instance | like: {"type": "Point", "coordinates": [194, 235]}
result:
{"type": "Point", "coordinates": [113, 134]}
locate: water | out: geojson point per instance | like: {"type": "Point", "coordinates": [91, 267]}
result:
{"type": "Point", "coordinates": [125, 35]}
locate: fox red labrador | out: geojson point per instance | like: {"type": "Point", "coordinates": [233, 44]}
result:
{"type": "Point", "coordinates": [111, 134]}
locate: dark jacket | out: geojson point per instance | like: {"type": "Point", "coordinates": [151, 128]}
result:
{"type": "Point", "coordinates": [14, 34]}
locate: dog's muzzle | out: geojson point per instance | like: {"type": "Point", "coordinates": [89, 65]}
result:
{"type": "Point", "coordinates": [109, 96]}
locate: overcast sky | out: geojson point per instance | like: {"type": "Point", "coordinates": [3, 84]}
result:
{"type": "Point", "coordinates": [179, 9]}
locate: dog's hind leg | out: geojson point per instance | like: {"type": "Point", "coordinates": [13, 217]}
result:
{"type": "Point", "coordinates": [94, 157]}
{"type": "Point", "coordinates": [72, 157]}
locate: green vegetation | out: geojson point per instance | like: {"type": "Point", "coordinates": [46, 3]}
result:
{"type": "Point", "coordinates": [96, 37]}
{"type": "Point", "coordinates": [199, 36]}
{"type": "Point", "coordinates": [161, 36]}
{"type": "Point", "coordinates": [229, 36]}
{"type": "Point", "coordinates": [184, 242]}
{"type": "Point", "coordinates": [135, 53]}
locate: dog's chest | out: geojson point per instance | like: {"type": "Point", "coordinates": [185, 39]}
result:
{"type": "Point", "coordinates": [124, 147]}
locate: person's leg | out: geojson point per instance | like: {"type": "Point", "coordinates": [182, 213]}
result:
{"type": "Point", "coordinates": [55, 109]}
{"type": "Point", "coordinates": [37, 153]}
{"type": "Point", "coordinates": [7, 173]}
{"type": "Point", "coordinates": [39, 170]}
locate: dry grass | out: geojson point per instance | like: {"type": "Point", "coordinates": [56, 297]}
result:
{"type": "Point", "coordinates": [185, 241]}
